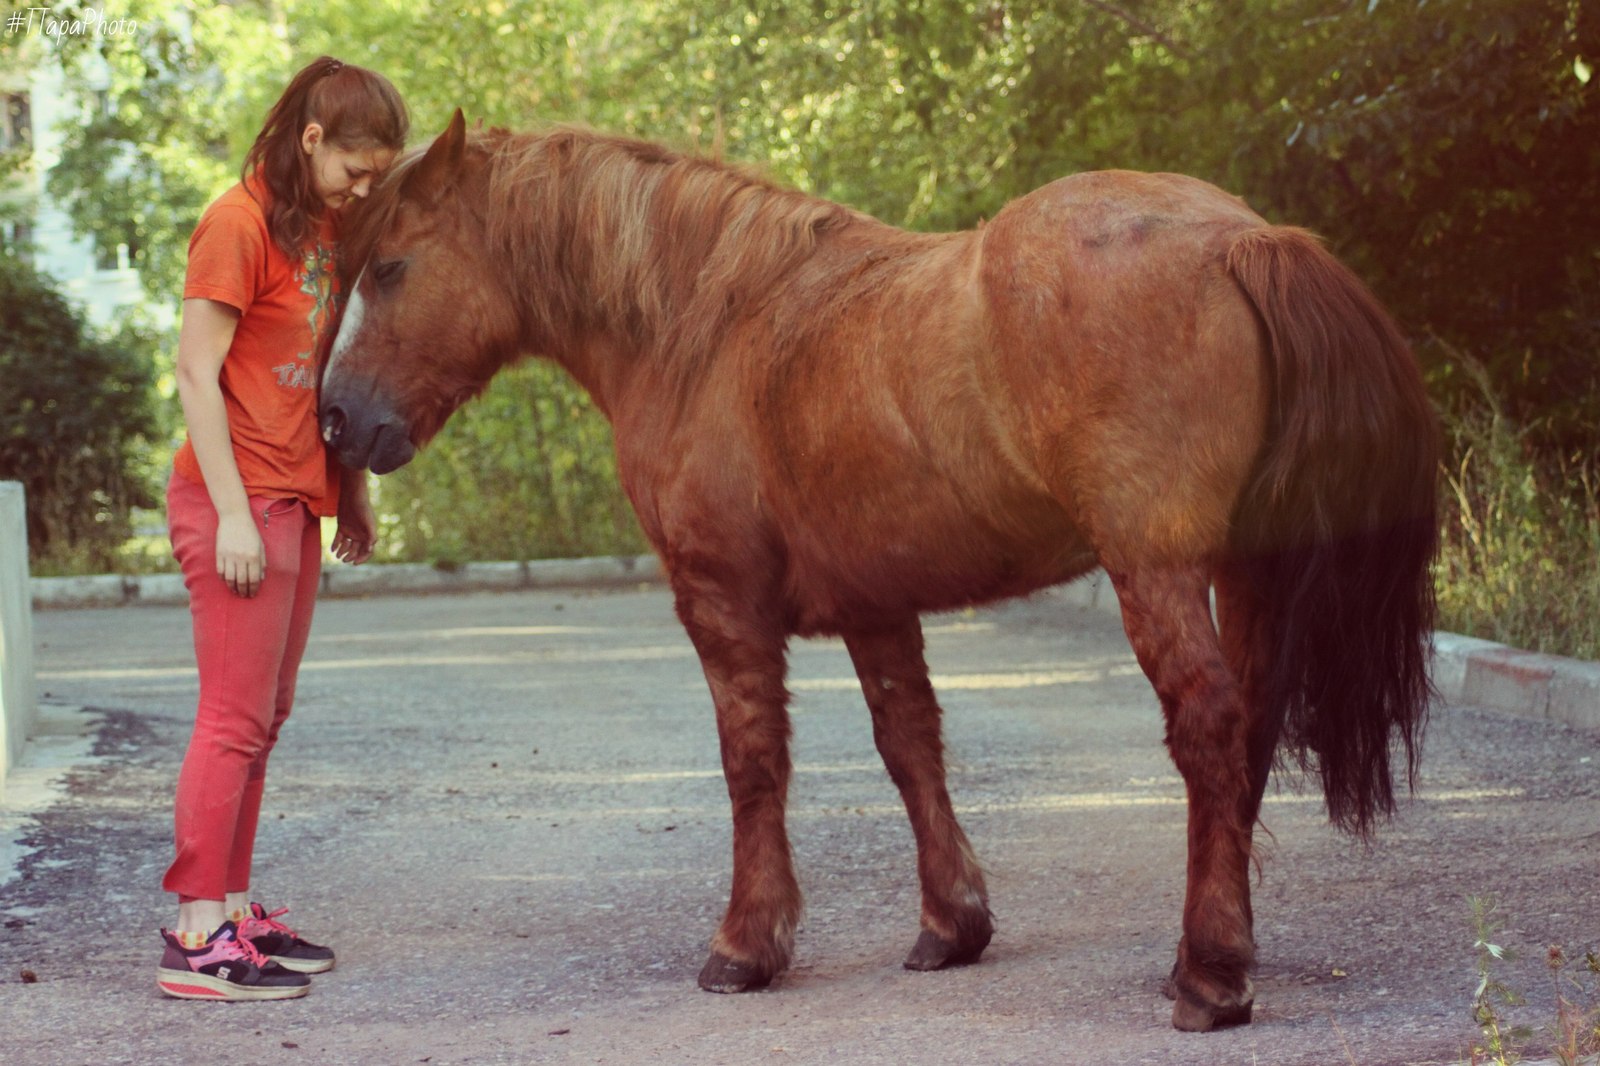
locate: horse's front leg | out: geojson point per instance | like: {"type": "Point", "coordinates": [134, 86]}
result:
{"type": "Point", "coordinates": [742, 653]}
{"type": "Point", "coordinates": [1167, 617]}
{"type": "Point", "coordinates": [956, 923]}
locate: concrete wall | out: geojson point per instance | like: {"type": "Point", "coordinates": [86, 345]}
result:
{"type": "Point", "coordinates": [16, 629]}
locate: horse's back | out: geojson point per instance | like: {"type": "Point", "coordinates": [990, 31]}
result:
{"type": "Point", "coordinates": [1132, 359]}
{"type": "Point", "coordinates": [933, 420]}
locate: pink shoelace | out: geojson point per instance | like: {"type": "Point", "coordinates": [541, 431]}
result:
{"type": "Point", "coordinates": [266, 923]}
{"type": "Point", "coordinates": [248, 950]}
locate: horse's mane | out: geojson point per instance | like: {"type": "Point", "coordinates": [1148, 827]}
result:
{"type": "Point", "coordinates": [601, 231]}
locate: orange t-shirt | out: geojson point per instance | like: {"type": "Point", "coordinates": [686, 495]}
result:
{"type": "Point", "coordinates": [270, 374]}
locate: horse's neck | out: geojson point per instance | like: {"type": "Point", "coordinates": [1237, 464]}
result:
{"type": "Point", "coordinates": [660, 258]}
{"type": "Point", "coordinates": [607, 371]}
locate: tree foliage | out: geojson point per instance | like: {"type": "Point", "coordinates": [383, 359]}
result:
{"type": "Point", "coordinates": [1449, 149]}
{"type": "Point", "coordinates": [1453, 151]}
{"type": "Point", "coordinates": [76, 425]}
{"type": "Point", "coordinates": [526, 472]}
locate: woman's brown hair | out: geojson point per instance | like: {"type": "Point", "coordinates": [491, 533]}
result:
{"type": "Point", "coordinates": [356, 108]}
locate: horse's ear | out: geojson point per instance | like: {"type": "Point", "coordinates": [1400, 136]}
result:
{"type": "Point", "coordinates": [436, 170]}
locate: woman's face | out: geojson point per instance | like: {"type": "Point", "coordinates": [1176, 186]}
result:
{"type": "Point", "coordinates": [340, 175]}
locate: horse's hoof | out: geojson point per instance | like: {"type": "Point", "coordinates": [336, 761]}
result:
{"type": "Point", "coordinates": [722, 974]}
{"type": "Point", "coordinates": [934, 952]}
{"type": "Point", "coordinates": [1192, 1016]}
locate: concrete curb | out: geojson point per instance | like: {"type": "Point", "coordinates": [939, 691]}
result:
{"type": "Point", "coordinates": [1531, 684]}
{"type": "Point", "coordinates": [338, 580]}
{"type": "Point", "coordinates": [1465, 669]}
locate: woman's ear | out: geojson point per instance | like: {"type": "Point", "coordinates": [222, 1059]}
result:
{"type": "Point", "coordinates": [310, 137]}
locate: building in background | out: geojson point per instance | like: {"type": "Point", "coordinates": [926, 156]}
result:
{"type": "Point", "coordinates": [100, 278]}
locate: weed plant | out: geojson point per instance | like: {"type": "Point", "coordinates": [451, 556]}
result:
{"type": "Point", "coordinates": [1572, 1039]}
{"type": "Point", "coordinates": [1520, 555]}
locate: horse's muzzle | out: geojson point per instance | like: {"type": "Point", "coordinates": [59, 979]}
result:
{"type": "Point", "coordinates": [366, 436]}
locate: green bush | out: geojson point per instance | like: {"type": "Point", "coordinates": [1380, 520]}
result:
{"type": "Point", "coordinates": [75, 426]}
{"type": "Point", "coordinates": [526, 471]}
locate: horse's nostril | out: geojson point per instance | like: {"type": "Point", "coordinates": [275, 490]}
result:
{"type": "Point", "coordinates": [333, 423]}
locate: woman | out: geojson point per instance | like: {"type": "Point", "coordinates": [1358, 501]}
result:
{"type": "Point", "coordinates": [247, 492]}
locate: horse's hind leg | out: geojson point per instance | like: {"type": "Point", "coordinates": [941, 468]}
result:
{"type": "Point", "coordinates": [956, 924]}
{"type": "Point", "coordinates": [1246, 642]}
{"type": "Point", "coordinates": [1168, 620]}
{"type": "Point", "coordinates": [742, 654]}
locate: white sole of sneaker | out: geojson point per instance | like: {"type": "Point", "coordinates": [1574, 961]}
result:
{"type": "Point", "coordinates": [184, 984]}
{"type": "Point", "coordinates": [303, 965]}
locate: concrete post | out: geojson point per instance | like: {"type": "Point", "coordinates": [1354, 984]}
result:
{"type": "Point", "coordinates": [16, 629]}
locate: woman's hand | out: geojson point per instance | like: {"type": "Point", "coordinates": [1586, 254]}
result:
{"type": "Point", "coordinates": [357, 533]}
{"type": "Point", "coordinates": [241, 557]}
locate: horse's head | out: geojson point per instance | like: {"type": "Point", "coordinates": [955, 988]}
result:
{"type": "Point", "coordinates": [428, 318]}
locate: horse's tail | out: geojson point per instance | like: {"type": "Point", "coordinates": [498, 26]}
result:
{"type": "Point", "coordinates": [1336, 532]}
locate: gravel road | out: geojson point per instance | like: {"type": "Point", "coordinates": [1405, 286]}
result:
{"type": "Point", "coordinates": [506, 812]}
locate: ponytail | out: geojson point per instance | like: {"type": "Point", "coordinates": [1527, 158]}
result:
{"type": "Point", "coordinates": [357, 109]}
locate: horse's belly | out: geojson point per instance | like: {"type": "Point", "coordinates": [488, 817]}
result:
{"type": "Point", "coordinates": [882, 568]}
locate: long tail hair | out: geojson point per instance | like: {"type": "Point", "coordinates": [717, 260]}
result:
{"type": "Point", "coordinates": [1339, 526]}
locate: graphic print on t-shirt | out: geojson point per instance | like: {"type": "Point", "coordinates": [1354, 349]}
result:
{"type": "Point", "coordinates": [316, 281]}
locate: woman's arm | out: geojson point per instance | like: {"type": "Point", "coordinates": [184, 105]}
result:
{"type": "Point", "coordinates": [203, 341]}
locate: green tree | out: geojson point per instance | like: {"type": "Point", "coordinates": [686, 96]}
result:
{"type": "Point", "coordinates": [1447, 148]}
{"type": "Point", "coordinates": [76, 425]}
{"type": "Point", "coordinates": [1452, 150]}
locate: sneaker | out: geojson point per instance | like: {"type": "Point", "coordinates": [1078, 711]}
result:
{"type": "Point", "coordinates": [227, 967]}
{"type": "Point", "coordinates": [283, 945]}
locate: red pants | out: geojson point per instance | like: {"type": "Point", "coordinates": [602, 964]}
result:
{"type": "Point", "coordinates": [248, 652]}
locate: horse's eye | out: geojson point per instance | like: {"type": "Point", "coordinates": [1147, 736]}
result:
{"type": "Point", "coordinates": [388, 272]}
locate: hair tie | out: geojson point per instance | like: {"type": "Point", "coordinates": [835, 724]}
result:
{"type": "Point", "coordinates": [334, 67]}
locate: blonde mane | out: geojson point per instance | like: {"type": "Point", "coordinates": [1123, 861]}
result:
{"type": "Point", "coordinates": [655, 246]}
{"type": "Point", "coordinates": [605, 233]}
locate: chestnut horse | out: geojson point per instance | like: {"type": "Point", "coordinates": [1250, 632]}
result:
{"type": "Point", "coordinates": [828, 426]}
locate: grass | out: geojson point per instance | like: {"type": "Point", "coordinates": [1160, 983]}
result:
{"type": "Point", "coordinates": [1520, 558]}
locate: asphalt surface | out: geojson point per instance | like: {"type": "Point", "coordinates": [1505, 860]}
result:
{"type": "Point", "coordinates": [505, 811]}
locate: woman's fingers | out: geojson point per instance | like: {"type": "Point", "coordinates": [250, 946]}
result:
{"type": "Point", "coordinates": [241, 556]}
{"type": "Point", "coordinates": [255, 571]}
{"type": "Point", "coordinates": [243, 576]}
{"type": "Point", "coordinates": [349, 549]}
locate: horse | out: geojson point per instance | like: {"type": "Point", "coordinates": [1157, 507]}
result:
{"type": "Point", "coordinates": [827, 425]}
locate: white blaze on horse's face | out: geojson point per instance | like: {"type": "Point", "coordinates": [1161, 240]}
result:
{"type": "Point", "coordinates": [349, 326]}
